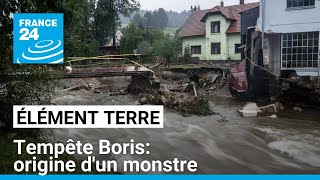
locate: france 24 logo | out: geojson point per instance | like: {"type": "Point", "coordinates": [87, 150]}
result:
{"type": "Point", "coordinates": [38, 38]}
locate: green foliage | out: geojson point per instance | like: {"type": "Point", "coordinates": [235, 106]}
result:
{"type": "Point", "coordinates": [139, 21]}
{"type": "Point", "coordinates": [106, 17]}
{"type": "Point", "coordinates": [87, 24]}
{"type": "Point", "coordinates": [79, 36]}
{"type": "Point", "coordinates": [157, 20]}
{"type": "Point", "coordinates": [148, 19]}
{"type": "Point", "coordinates": [144, 48]}
{"type": "Point", "coordinates": [166, 47]}
{"type": "Point", "coordinates": [133, 35]}
{"type": "Point", "coordinates": [22, 84]}
{"type": "Point", "coordinates": [163, 18]}
{"type": "Point", "coordinates": [199, 106]}
{"type": "Point", "coordinates": [187, 51]}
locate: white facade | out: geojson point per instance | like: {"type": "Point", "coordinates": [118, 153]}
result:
{"type": "Point", "coordinates": [280, 19]}
{"type": "Point", "coordinates": [118, 37]}
{"type": "Point", "coordinates": [287, 31]}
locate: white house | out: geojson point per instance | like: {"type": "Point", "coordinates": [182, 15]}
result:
{"type": "Point", "coordinates": [118, 37]}
{"type": "Point", "coordinates": [291, 29]}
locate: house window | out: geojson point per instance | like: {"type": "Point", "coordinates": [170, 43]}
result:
{"type": "Point", "coordinates": [195, 49]}
{"type": "Point", "coordinates": [300, 3]}
{"type": "Point", "coordinates": [215, 27]}
{"type": "Point", "coordinates": [215, 48]}
{"type": "Point", "coordinates": [300, 50]}
{"type": "Point", "coordinates": [237, 48]}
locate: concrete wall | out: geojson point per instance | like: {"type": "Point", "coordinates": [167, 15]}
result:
{"type": "Point", "coordinates": [195, 41]}
{"type": "Point", "coordinates": [279, 19]}
{"type": "Point", "coordinates": [232, 40]}
{"type": "Point", "coordinates": [217, 37]}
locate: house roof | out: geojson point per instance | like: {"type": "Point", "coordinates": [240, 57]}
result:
{"type": "Point", "coordinates": [232, 13]}
{"type": "Point", "coordinates": [193, 26]}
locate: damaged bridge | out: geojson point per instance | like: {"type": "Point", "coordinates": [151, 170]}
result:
{"type": "Point", "coordinates": [105, 66]}
{"type": "Point", "coordinates": [142, 78]}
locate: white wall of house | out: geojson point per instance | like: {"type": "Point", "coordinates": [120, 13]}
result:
{"type": "Point", "coordinates": [118, 37]}
{"type": "Point", "coordinates": [280, 19]}
{"type": "Point", "coordinates": [195, 41]}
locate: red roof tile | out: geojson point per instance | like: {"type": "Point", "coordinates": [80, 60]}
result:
{"type": "Point", "coordinates": [193, 26]}
{"type": "Point", "coordinates": [232, 13]}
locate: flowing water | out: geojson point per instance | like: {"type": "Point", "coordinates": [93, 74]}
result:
{"type": "Point", "coordinates": [223, 143]}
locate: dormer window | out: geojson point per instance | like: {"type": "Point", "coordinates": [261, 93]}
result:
{"type": "Point", "coordinates": [215, 27]}
{"type": "Point", "coordinates": [292, 4]}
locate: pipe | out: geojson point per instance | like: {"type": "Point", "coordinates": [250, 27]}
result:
{"type": "Point", "coordinates": [262, 23]}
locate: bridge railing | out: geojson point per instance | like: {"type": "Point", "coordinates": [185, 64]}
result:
{"type": "Point", "coordinates": [112, 63]}
{"type": "Point", "coordinates": [107, 60]}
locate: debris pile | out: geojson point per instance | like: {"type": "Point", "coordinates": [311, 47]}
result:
{"type": "Point", "coordinates": [199, 83]}
{"type": "Point", "coordinates": [252, 110]}
{"type": "Point", "coordinates": [186, 105]}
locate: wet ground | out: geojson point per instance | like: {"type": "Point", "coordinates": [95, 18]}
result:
{"type": "Point", "coordinates": [223, 143]}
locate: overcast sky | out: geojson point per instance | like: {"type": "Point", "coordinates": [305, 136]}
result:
{"type": "Point", "coordinates": [180, 5]}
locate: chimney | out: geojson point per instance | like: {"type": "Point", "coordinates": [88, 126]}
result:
{"type": "Point", "coordinates": [241, 1]}
{"type": "Point", "coordinates": [222, 3]}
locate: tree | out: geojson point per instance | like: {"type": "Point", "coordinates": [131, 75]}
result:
{"type": "Point", "coordinates": [133, 35]}
{"type": "Point", "coordinates": [79, 35]}
{"type": "Point", "coordinates": [144, 48]}
{"type": "Point", "coordinates": [138, 21]}
{"type": "Point", "coordinates": [16, 88]}
{"type": "Point", "coordinates": [148, 19]}
{"type": "Point", "coordinates": [166, 47]}
{"type": "Point", "coordinates": [155, 24]}
{"type": "Point", "coordinates": [163, 18]}
{"type": "Point", "coordinates": [187, 51]}
{"type": "Point", "coordinates": [107, 16]}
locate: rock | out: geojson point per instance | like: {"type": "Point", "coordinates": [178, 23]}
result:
{"type": "Point", "coordinates": [250, 110]}
{"type": "Point", "coordinates": [297, 109]}
{"type": "Point", "coordinates": [173, 75]}
{"type": "Point", "coordinates": [164, 100]}
{"type": "Point", "coordinates": [273, 116]}
{"type": "Point", "coordinates": [143, 101]}
{"type": "Point", "coordinates": [97, 91]}
{"type": "Point", "coordinates": [272, 108]}
{"type": "Point", "coordinates": [123, 92]}
{"type": "Point", "coordinates": [213, 77]}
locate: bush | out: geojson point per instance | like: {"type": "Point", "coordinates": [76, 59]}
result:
{"type": "Point", "coordinates": [166, 47]}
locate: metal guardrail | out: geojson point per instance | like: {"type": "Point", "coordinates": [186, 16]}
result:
{"type": "Point", "coordinates": [109, 65]}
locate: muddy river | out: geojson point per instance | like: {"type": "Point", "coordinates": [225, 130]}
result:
{"type": "Point", "coordinates": [223, 143]}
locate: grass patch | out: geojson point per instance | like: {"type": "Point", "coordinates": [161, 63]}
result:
{"type": "Point", "coordinates": [170, 30]}
{"type": "Point", "coordinates": [183, 66]}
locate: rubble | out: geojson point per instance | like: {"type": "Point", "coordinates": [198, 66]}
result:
{"type": "Point", "coordinates": [252, 110]}
{"type": "Point", "coordinates": [182, 103]}
{"type": "Point", "coordinates": [173, 76]}
{"type": "Point", "coordinates": [297, 109]}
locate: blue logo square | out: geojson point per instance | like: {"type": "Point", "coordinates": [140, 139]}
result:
{"type": "Point", "coordinates": [38, 38]}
